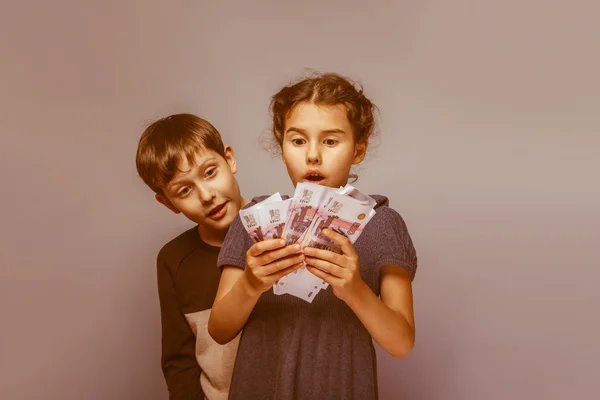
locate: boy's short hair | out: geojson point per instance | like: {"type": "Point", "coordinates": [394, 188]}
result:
{"type": "Point", "coordinates": [165, 142]}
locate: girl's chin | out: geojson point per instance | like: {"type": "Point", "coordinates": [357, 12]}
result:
{"type": "Point", "coordinates": [322, 182]}
{"type": "Point", "coordinates": [314, 182]}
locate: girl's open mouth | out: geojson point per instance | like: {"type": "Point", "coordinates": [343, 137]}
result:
{"type": "Point", "coordinates": [314, 177]}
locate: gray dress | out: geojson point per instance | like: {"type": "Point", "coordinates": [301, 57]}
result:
{"type": "Point", "coordinates": [291, 349]}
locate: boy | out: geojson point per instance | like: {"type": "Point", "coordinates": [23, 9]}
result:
{"type": "Point", "coordinates": [183, 160]}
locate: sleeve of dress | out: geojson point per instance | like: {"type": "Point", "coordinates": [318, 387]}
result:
{"type": "Point", "coordinates": [236, 244]}
{"type": "Point", "coordinates": [178, 358]}
{"type": "Point", "coordinates": [395, 246]}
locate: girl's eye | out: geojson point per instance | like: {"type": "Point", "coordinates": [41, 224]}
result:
{"type": "Point", "coordinates": [210, 172]}
{"type": "Point", "coordinates": [298, 141]}
{"type": "Point", "coordinates": [184, 191]}
{"type": "Point", "coordinates": [330, 142]}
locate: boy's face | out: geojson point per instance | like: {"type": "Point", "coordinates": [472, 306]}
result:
{"type": "Point", "coordinates": [206, 192]}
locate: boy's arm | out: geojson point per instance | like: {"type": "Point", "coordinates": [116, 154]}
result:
{"type": "Point", "coordinates": [178, 359]}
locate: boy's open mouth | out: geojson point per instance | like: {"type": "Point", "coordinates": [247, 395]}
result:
{"type": "Point", "coordinates": [217, 211]}
{"type": "Point", "coordinates": [314, 177]}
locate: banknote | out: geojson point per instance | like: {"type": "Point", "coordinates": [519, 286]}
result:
{"type": "Point", "coordinates": [265, 220]}
{"type": "Point", "coordinates": [273, 217]}
{"type": "Point", "coordinates": [307, 199]}
{"type": "Point", "coordinates": [342, 214]}
{"type": "Point", "coordinates": [297, 288]}
{"type": "Point", "coordinates": [253, 221]}
{"type": "Point", "coordinates": [305, 203]}
{"type": "Point", "coordinates": [301, 219]}
{"type": "Point", "coordinates": [351, 191]}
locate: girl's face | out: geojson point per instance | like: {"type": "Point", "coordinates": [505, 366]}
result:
{"type": "Point", "coordinates": [318, 145]}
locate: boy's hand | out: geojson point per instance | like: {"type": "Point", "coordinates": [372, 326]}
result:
{"type": "Point", "coordinates": [341, 271]}
{"type": "Point", "coordinates": [268, 261]}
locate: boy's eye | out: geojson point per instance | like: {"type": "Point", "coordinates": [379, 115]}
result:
{"type": "Point", "coordinates": [210, 172]}
{"type": "Point", "coordinates": [184, 191]}
{"type": "Point", "coordinates": [298, 141]}
{"type": "Point", "coordinates": [330, 142]}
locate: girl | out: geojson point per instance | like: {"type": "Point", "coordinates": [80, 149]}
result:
{"type": "Point", "coordinates": [291, 349]}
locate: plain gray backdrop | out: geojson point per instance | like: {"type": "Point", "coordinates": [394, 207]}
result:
{"type": "Point", "coordinates": [488, 148]}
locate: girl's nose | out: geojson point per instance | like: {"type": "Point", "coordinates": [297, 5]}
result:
{"type": "Point", "coordinates": [313, 159]}
{"type": "Point", "coordinates": [313, 156]}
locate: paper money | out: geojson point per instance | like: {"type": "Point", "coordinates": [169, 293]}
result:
{"type": "Point", "coordinates": [301, 219]}
{"type": "Point", "coordinates": [298, 289]}
{"type": "Point", "coordinates": [344, 215]}
{"type": "Point", "coordinates": [266, 220]}
{"type": "Point", "coordinates": [307, 199]}
{"type": "Point", "coordinates": [253, 221]}
{"type": "Point", "coordinates": [273, 218]}
{"type": "Point", "coordinates": [351, 191]}
{"type": "Point", "coordinates": [305, 203]}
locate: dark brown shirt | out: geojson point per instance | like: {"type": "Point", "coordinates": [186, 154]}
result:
{"type": "Point", "coordinates": [291, 349]}
{"type": "Point", "coordinates": [194, 365]}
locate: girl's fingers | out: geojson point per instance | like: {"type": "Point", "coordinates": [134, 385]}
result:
{"type": "Point", "coordinates": [270, 257]}
{"type": "Point", "coordinates": [282, 264]}
{"type": "Point", "coordinates": [268, 245]}
{"type": "Point", "coordinates": [326, 266]}
{"type": "Point", "coordinates": [321, 275]}
{"type": "Point", "coordinates": [342, 241]}
{"type": "Point", "coordinates": [280, 274]}
{"type": "Point", "coordinates": [326, 255]}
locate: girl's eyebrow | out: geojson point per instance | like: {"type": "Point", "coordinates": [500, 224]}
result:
{"type": "Point", "coordinates": [326, 131]}
{"type": "Point", "coordinates": [293, 129]}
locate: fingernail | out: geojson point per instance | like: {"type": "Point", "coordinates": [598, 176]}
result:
{"type": "Point", "coordinates": [325, 231]}
{"type": "Point", "coordinates": [282, 242]}
{"type": "Point", "coordinates": [301, 257]}
{"type": "Point", "coordinates": [297, 247]}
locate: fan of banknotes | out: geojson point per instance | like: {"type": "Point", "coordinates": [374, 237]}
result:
{"type": "Point", "coordinates": [301, 218]}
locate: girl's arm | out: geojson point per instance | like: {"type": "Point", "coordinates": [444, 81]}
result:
{"type": "Point", "coordinates": [390, 321]}
{"type": "Point", "coordinates": [239, 289]}
{"type": "Point", "coordinates": [232, 307]}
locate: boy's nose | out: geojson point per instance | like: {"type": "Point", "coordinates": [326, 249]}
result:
{"type": "Point", "coordinates": [205, 195]}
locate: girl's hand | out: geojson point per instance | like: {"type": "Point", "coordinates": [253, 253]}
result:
{"type": "Point", "coordinates": [341, 271]}
{"type": "Point", "coordinates": [268, 261]}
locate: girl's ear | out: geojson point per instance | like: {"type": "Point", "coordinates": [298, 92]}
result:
{"type": "Point", "coordinates": [230, 158]}
{"type": "Point", "coordinates": [360, 150]}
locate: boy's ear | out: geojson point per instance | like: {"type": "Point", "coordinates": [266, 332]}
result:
{"type": "Point", "coordinates": [165, 202]}
{"type": "Point", "coordinates": [360, 150]}
{"type": "Point", "coordinates": [230, 158]}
